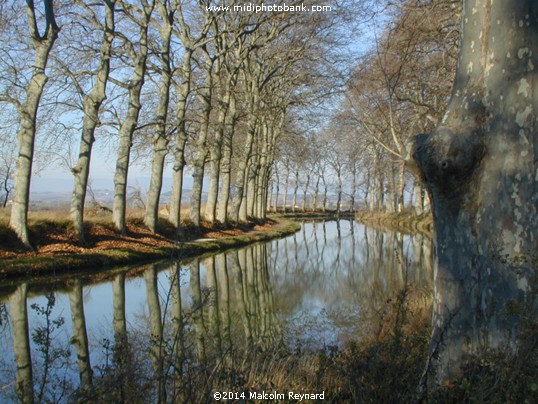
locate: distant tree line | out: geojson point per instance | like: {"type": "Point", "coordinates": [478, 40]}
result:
{"type": "Point", "coordinates": [398, 88]}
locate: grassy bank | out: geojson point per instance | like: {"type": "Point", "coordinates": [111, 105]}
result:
{"type": "Point", "coordinates": [56, 250]}
{"type": "Point", "coordinates": [317, 215]}
{"type": "Point", "coordinates": [405, 222]}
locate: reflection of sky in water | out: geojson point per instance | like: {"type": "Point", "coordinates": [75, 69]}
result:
{"type": "Point", "coordinates": [315, 284]}
{"type": "Point", "coordinates": [326, 275]}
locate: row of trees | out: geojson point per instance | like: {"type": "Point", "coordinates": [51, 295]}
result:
{"type": "Point", "coordinates": [399, 87]}
{"type": "Point", "coordinates": [175, 81]}
{"type": "Point", "coordinates": [231, 96]}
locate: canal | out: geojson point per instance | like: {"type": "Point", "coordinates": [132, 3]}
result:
{"type": "Point", "coordinates": [178, 330]}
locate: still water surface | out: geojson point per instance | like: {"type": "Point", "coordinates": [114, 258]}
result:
{"type": "Point", "coordinates": [313, 290]}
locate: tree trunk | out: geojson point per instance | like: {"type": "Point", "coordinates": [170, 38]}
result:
{"type": "Point", "coordinates": [339, 186]}
{"type": "Point", "coordinates": [295, 190]}
{"type": "Point", "coordinates": [161, 137]}
{"type": "Point", "coordinates": [277, 189]}
{"type": "Point", "coordinates": [243, 169]}
{"type": "Point", "coordinates": [251, 185]}
{"type": "Point", "coordinates": [316, 194]}
{"type": "Point", "coordinates": [222, 210]}
{"type": "Point", "coordinates": [128, 126]}
{"type": "Point", "coordinates": [201, 145]}
{"type": "Point", "coordinates": [214, 178]}
{"type": "Point", "coordinates": [180, 141]}
{"type": "Point", "coordinates": [216, 158]}
{"type": "Point", "coordinates": [305, 191]}
{"type": "Point", "coordinates": [480, 168]}
{"type": "Point", "coordinates": [353, 188]}
{"type": "Point", "coordinates": [91, 105]}
{"type": "Point", "coordinates": [286, 186]}
{"type": "Point", "coordinates": [28, 116]}
{"type": "Point", "coordinates": [325, 196]}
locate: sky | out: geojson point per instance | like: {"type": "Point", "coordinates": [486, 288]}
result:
{"type": "Point", "coordinates": [59, 179]}
{"type": "Point", "coordinates": [55, 178]}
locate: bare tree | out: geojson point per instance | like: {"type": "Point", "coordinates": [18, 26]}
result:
{"type": "Point", "coordinates": [138, 59]}
{"type": "Point", "coordinates": [7, 169]}
{"type": "Point", "coordinates": [42, 42]}
{"type": "Point", "coordinates": [91, 105]}
{"type": "Point", "coordinates": [191, 39]}
{"type": "Point", "coordinates": [161, 137]}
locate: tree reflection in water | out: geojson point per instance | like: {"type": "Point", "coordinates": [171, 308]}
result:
{"type": "Point", "coordinates": [221, 321]}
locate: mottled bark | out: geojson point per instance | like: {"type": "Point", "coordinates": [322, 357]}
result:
{"type": "Point", "coordinates": [316, 194]}
{"type": "Point", "coordinates": [129, 123]}
{"type": "Point", "coordinates": [226, 168]}
{"type": "Point", "coordinates": [181, 137]}
{"type": "Point", "coordinates": [91, 105]}
{"type": "Point", "coordinates": [226, 162]}
{"type": "Point", "coordinates": [201, 150]}
{"type": "Point", "coordinates": [295, 190]}
{"type": "Point", "coordinates": [242, 170]}
{"type": "Point", "coordinates": [305, 191]}
{"type": "Point", "coordinates": [277, 189]}
{"type": "Point", "coordinates": [250, 195]}
{"type": "Point", "coordinates": [480, 168]}
{"type": "Point", "coordinates": [161, 137]}
{"type": "Point", "coordinates": [42, 44]}
{"type": "Point", "coordinates": [216, 154]}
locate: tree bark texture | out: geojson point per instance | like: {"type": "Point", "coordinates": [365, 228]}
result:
{"type": "Point", "coordinates": [161, 138]}
{"type": "Point", "coordinates": [129, 124]}
{"type": "Point", "coordinates": [91, 105]}
{"type": "Point", "coordinates": [26, 134]}
{"type": "Point", "coordinates": [480, 168]}
{"type": "Point", "coordinates": [200, 155]}
{"type": "Point", "coordinates": [181, 137]}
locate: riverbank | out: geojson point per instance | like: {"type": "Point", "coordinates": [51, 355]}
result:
{"type": "Point", "coordinates": [57, 251]}
{"type": "Point", "coordinates": [405, 222]}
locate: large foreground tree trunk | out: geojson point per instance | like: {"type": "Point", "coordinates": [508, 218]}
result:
{"type": "Point", "coordinates": [480, 168]}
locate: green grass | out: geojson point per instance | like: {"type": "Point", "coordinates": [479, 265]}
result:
{"type": "Point", "coordinates": [31, 266]}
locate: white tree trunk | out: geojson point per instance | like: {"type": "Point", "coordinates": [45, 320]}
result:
{"type": "Point", "coordinates": [28, 115]}
{"type": "Point", "coordinates": [161, 137]}
{"type": "Point", "coordinates": [242, 170]}
{"type": "Point", "coordinates": [129, 124]}
{"type": "Point", "coordinates": [201, 150]}
{"type": "Point", "coordinates": [181, 137]}
{"type": "Point", "coordinates": [91, 105]}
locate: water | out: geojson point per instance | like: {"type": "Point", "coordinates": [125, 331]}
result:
{"type": "Point", "coordinates": [161, 324]}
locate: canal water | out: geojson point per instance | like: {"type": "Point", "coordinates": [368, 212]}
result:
{"type": "Point", "coordinates": [155, 329]}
